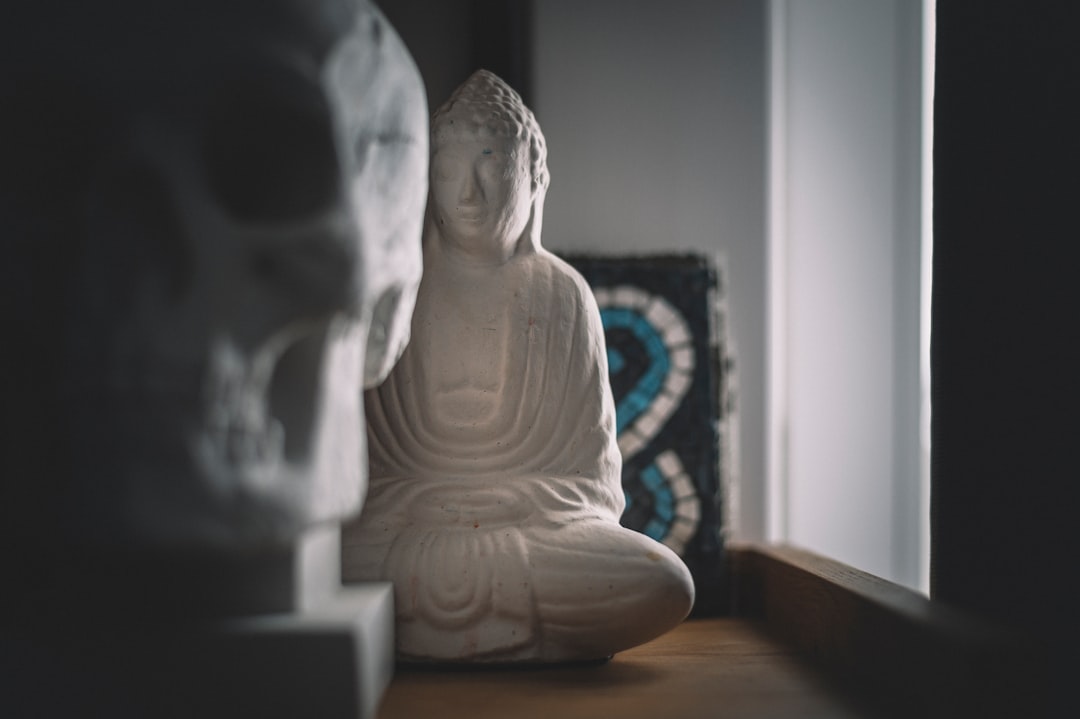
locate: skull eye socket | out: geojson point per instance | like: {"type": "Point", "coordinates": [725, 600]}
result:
{"type": "Point", "coordinates": [270, 156]}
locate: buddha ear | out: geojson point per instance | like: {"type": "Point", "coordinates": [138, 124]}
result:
{"type": "Point", "coordinates": [531, 235]}
{"type": "Point", "coordinates": [536, 191]}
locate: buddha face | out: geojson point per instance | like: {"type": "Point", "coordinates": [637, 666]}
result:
{"type": "Point", "coordinates": [482, 192]}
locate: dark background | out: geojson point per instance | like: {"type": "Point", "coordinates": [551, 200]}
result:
{"type": "Point", "coordinates": [1004, 329]}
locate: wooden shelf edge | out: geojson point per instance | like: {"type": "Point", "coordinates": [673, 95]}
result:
{"type": "Point", "coordinates": [879, 638]}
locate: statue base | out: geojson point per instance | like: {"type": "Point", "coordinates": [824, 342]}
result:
{"type": "Point", "coordinates": [332, 660]}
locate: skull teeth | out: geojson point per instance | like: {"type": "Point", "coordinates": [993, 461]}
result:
{"type": "Point", "coordinates": [245, 446]}
{"type": "Point", "coordinates": [240, 436]}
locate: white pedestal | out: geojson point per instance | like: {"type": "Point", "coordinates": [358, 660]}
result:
{"type": "Point", "coordinates": [334, 660]}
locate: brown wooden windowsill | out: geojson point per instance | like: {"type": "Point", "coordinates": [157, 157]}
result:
{"type": "Point", "coordinates": [703, 668]}
{"type": "Point", "coordinates": [810, 638]}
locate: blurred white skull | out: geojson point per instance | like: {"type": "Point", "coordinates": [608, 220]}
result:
{"type": "Point", "coordinates": [254, 257]}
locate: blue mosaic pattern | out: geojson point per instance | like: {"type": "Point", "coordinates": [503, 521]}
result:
{"type": "Point", "coordinates": [663, 507]}
{"type": "Point", "coordinates": [638, 400]}
{"type": "Point", "coordinates": [647, 328]}
{"type": "Point", "coordinates": [661, 325]}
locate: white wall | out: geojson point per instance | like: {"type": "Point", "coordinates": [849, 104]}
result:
{"type": "Point", "coordinates": [845, 295]}
{"type": "Point", "coordinates": [654, 115]}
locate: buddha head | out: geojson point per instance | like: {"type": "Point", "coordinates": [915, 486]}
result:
{"type": "Point", "coordinates": [216, 210]}
{"type": "Point", "coordinates": [488, 171]}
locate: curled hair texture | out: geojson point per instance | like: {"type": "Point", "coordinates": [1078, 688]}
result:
{"type": "Point", "coordinates": [486, 101]}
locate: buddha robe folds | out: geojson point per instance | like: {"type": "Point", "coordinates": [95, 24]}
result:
{"type": "Point", "coordinates": [495, 483]}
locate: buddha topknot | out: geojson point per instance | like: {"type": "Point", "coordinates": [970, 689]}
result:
{"type": "Point", "coordinates": [486, 104]}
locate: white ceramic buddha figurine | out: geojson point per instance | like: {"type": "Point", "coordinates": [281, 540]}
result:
{"type": "Point", "coordinates": [495, 488]}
